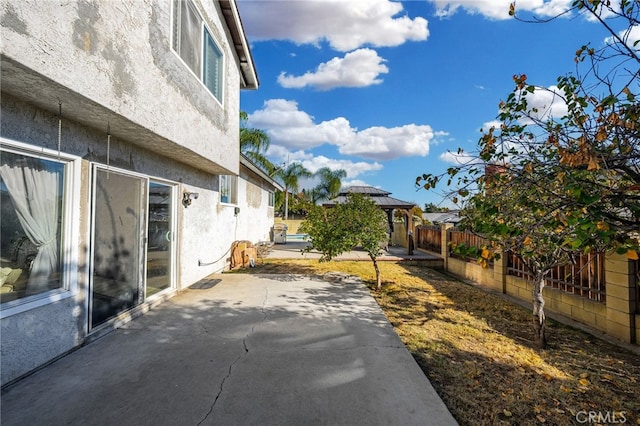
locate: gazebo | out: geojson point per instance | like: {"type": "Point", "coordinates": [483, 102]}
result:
{"type": "Point", "coordinates": [383, 200]}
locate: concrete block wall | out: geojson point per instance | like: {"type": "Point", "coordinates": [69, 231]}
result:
{"type": "Point", "coordinates": [475, 272]}
{"type": "Point", "coordinates": [617, 317]}
{"type": "Point", "coordinates": [621, 296]}
{"type": "Point", "coordinates": [399, 235]}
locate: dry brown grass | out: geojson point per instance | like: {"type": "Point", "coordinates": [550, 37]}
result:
{"type": "Point", "coordinates": [476, 349]}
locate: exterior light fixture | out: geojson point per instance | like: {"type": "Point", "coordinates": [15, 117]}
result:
{"type": "Point", "coordinates": [188, 197]}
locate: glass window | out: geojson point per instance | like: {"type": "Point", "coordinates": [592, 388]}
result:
{"type": "Point", "coordinates": [189, 37]}
{"type": "Point", "coordinates": [212, 74]}
{"type": "Point", "coordinates": [197, 48]}
{"type": "Point", "coordinates": [229, 189]}
{"type": "Point", "coordinates": [31, 204]}
{"type": "Point", "coordinates": [272, 199]}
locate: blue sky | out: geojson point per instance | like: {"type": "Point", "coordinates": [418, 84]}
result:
{"type": "Point", "coordinates": [388, 90]}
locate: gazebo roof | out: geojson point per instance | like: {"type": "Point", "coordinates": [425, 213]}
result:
{"type": "Point", "coordinates": [379, 196]}
{"type": "Point", "coordinates": [368, 190]}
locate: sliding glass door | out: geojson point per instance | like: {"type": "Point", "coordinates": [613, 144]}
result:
{"type": "Point", "coordinates": [160, 252]}
{"type": "Point", "coordinates": [133, 242]}
{"type": "Point", "coordinates": [118, 225]}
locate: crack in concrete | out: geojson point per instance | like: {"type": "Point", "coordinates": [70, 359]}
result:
{"type": "Point", "coordinates": [213, 406]}
{"type": "Point", "coordinates": [246, 351]}
{"type": "Point", "coordinates": [264, 317]}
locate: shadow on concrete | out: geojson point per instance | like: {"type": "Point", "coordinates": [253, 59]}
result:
{"type": "Point", "coordinates": [266, 350]}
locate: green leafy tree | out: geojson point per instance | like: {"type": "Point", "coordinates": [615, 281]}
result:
{"type": "Point", "coordinates": [358, 222]}
{"type": "Point", "coordinates": [278, 204]}
{"type": "Point", "coordinates": [311, 196]}
{"type": "Point", "coordinates": [544, 186]}
{"type": "Point", "coordinates": [434, 208]}
{"type": "Point", "coordinates": [290, 176]}
{"type": "Point", "coordinates": [523, 216]}
{"type": "Point", "coordinates": [415, 212]}
{"type": "Point", "coordinates": [298, 204]}
{"type": "Point", "coordinates": [330, 182]}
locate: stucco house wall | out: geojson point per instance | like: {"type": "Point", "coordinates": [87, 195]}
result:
{"type": "Point", "coordinates": [115, 63]}
{"type": "Point", "coordinates": [96, 83]}
{"type": "Point", "coordinates": [256, 216]}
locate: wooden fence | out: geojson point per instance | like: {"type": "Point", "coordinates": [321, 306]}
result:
{"type": "Point", "coordinates": [600, 290]}
{"type": "Point", "coordinates": [584, 277]}
{"type": "Point", "coordinates": [429, 237]}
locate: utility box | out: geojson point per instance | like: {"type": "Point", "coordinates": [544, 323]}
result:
{"type": "Point", "coordinates": [280, 233]}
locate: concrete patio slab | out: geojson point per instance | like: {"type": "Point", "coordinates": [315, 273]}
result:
{"type": "Point", "coordinates": [239, 350]}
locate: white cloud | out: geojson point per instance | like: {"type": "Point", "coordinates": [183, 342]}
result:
{"type": "Point", "coordinates": [548, 102]}
{"type": "Point", "coordinates": [352, 168]}
{"type": "Point", "coordinates": [359, 68]}
{"type": "Point", "coordinates": [543, 103]}
{"type": "Point", "coordinates": [345, 25]}
{"type": "Point", "coordinates": [629, 36]}
{"type": "Point", "coordinates": [458, 158]}
{"type": "Point", "coordinates": [282, 156]}
{"type": "Point", "coordinates": [499, 9]}
{"type": "Point", "coordinates": [489, 124]}
{"type": "Point", "coordinates": [385, 143]}
{"type": "Point", "coordinates": [357, 182]}
{"type": "Point", "coordinates": [286, 125]}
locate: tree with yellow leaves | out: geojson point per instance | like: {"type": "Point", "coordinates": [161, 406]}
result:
{"type": "Point", "coordinates": [545, 186]}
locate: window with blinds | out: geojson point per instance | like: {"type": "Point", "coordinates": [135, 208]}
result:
{"type": "Point", "coordinates": [195, 45]}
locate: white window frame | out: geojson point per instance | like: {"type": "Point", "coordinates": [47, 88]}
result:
{"type": "Point", "coordinates": [205, 31]}
{"type": "Point", "coordinates": [173, 239]}
{"type": "Point", "coordinates": [229, 184]}
{"type": "Point", "coordinates": [175, 186]}
{"type": "Point", "coordinates": [272, 199]}
{"type": "Point", "coordinates": [70, 229]}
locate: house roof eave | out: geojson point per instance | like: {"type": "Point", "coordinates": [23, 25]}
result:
{"type": "Point", "coordinates": [258, 171]}
{"type": "Point", "coordinates": [241, 45]}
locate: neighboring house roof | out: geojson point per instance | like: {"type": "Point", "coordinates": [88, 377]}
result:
{"type": "Point", "coordinates": [442, 217]}
{"type": "Point", "coordinates": [257, 170]}
{"type": "Point", "coordinates": [369, 190]}
{"type": "Point", "coordinates": [379, 196]}
{"type": "Point", "coordinates": [240, 44]}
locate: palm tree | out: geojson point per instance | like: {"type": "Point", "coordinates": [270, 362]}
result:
{"type": "Point", "coordinates": [290, 176]}
{"type": "Point", "coordinates": [254, 144]}
{"type": "Point", "coordinates": [312, 196]}
{"type": "Point", "coordinates": [330, 182]}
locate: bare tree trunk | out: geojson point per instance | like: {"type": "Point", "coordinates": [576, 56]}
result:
{"type": "Point", "coordinates": [539, 319]}
{"type": "Point", "coordinates": [378, 277]}
{"type": "Point", "coordinates": [286, 204]}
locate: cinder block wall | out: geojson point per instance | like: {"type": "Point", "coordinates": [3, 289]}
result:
{"type": "Point", "coordinates": [617, 317]}
{"type": "Point", "coordinates": [621, 294]}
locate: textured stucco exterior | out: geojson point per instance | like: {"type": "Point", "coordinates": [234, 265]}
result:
{"type": "Point", "coordinates": [110, 63]}
{"type": "Point", "coordinates": [109, 66]}
{"type": "Point", "coordinates": [256, 217]}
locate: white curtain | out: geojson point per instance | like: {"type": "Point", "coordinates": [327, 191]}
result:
{"type": "Point", "coordinates": [35, 196]}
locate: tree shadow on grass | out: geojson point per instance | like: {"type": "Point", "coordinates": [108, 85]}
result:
{"type": "Point", "coordinates": [455, 331]}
